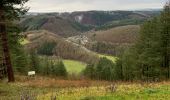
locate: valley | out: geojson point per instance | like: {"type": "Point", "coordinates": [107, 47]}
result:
{"type": "Point", "coordinates": [84, 55]}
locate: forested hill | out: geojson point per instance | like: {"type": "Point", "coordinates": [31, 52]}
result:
{"type": "Point", "coordinates": [50, 44]}
{"type": "Point", "coordinates": [71, 24]}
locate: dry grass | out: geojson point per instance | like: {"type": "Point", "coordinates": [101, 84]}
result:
{"type": "Point", "coordinates": [44, 88]}
{"type": "Point", "coordinates": [41, 81]}
{"type": "Point", "coordinates": [123, 34]}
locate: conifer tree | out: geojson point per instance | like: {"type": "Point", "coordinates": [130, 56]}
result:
{"type": "Point", "coordinates": [165, 37]}
{"type": "Point", "coordinates": [9, 11]}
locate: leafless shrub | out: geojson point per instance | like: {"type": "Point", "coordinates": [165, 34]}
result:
{"type": "Point", "coordinates": [111, 88]}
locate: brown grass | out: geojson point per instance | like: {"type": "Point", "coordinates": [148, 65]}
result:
{"type": "Point", "coordinates": [50, 82]}
{"type": "Point", "coordinates": [42, 81]}
{"type": "Point", "coordinates": [123, 34]}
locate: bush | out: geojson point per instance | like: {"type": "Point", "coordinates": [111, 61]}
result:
{"type": "Point", "coordinates": [103, 70]}
{"type": "Point", "coordinates": [89, 71]}
{"type": "Point", "coordinates": [46, 49]}
{"type": "Point", "coordinates": [34, 62]}
{"type": "Point", "coordinates": [53, 68]}
{"type": "Point", "coordinates": [60, 69]}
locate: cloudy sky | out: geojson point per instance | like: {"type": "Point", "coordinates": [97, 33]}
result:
{"type": "Point", "coordinates": [84, 5]}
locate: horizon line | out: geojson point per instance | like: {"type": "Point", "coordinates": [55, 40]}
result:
{"type": "Point", "coordinates": [142, 9]}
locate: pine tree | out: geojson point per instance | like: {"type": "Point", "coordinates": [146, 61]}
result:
{"type": "Point", "coordinates": [150, 57]}
{"type": "Point", "coordinates": [34, 62]}
{"type": "Point", "coordinates": [89, 71]}
{"type": "Point", "coordinates": [165, 37]}
{"type": "Point", "coordinates": [18, 55]}
{"type": "Point", "coordinates": [61, 70]}
{"type": "Point", "coordinates": [118, 72]}
{"type": "Point", "coordinates": [9, 11]}
{"type": "Point", "coordinates": [46, 67]}
{"type": "Point", "coordinates": [148, 48]}
{"type": "Point", "coordinates": [105, 69]}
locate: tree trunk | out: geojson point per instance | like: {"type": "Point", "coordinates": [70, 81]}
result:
{"type": "Point", "coordinates": [5, 48]}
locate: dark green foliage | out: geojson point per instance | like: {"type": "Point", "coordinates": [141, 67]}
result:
{"type": "Point", "coordinates": [89, 71]}
{"type": "Point", "coordinates": [118, 72]}
{"type": "Point", "coordinates": [130, 68]}
{"type": "Point", "coordinates": [18, 55]}
{"type": "Point", "coordinates": [103, 70]}
{"type": "Point", "coordinates": [122, 22]}
{"type": "Point", "coordinates": [165, 38]}
{"type": "Point", "coordinates": [46, 67]}
{"type": "Point", "coordinates": [34, 62]}
{"type": "Point", "coordinates": [104, 47]}
{"type": "Point", "coordinates": [142, 61]}
{"type": "Point", "coordinates": [10, 10]}
{"type": "Point", "coordinates": [60, 69]}
{"type": "Point", "coordinates": [13, 8]}
{"type": "Point", "coordinates": [102, 17]}
{"type": "Point", "coordinates": [34, 23]}
{"type": "Point", "coordinates": [82, 28]}
{"type": "Point", "coordinates": [20, 61]}
{"type": "Point", "coordinates": [49, 67]}
{"type": "Point", "coordinates": [148, 59]}
{"type": "Point", "coordinates": [46, 49]}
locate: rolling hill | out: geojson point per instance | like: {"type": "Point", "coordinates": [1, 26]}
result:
{"type": "Point", "coordinates": [72, 24]}
{"type": "Point", "coordinates": [118, 35]}
{"type": "Point", "coordinates": [50, 23]}
{"type": "Point", "coordinates": [74, 35]}
{"type": "Point", "coordinates": [98, 18]}
{"type": "Point", "coordinates": [47, 43]}
{"type": "Point", "coordinates": [108, 41]}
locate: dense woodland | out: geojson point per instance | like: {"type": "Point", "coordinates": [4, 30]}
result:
{"type": "Point", "coordinates": [149, 58]}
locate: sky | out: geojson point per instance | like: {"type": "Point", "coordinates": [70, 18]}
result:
{"type": "Point", "coordinates": [85, 5]}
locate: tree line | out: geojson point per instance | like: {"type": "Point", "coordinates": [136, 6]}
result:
{"type": "Point", "coordinates": [148, 59]}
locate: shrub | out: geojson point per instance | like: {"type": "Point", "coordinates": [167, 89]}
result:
{"type": "Point", "coordinates": [46, 49]}
{"type": "Point", "coordinates": [103, 70]}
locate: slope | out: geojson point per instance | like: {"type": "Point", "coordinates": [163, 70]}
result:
{"type": "Point", "coordinates": [50, 44]}
{"type": "Point", "coordinates": [50, 23]}
{"type": "Point", "coordinates": [118, 35]}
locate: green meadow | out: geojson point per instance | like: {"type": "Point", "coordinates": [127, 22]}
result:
{"type": "Point", "coordinates": [74, 66]}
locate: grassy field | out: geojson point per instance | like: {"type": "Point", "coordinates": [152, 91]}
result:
{"type": "Point", "coordinates": [43, 88]}
{"type": "Point", "coordinates": [75, 67]}
{"type": "Point", "coordinates": [112, 58]}
{"type": "Point", "coordinates": [122, 92]}
{"type": "Point", "coordinates": [24, 41]}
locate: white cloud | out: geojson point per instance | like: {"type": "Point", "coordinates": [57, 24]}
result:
{"type": "Point", "coordinates": [83, 5]}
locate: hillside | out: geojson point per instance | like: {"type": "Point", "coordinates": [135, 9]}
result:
{"type": "Point", "coordinates": [50, 23]}
{"type": "Point", "coordinates": [47, 43]}
{"type": "Point", "coordinates": [118, 35]}
{"type": "Point", "coordinates": [71, 24]}
{"type": "Point", "coordinates": [107, 41]}
{"type": "Point", "coordinates": [98, 18]}
{"type": "Point", "coordinates": [99, 31]}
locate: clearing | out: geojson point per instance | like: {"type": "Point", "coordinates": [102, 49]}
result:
{"type": "Point", "coordinates": [73, 66]}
